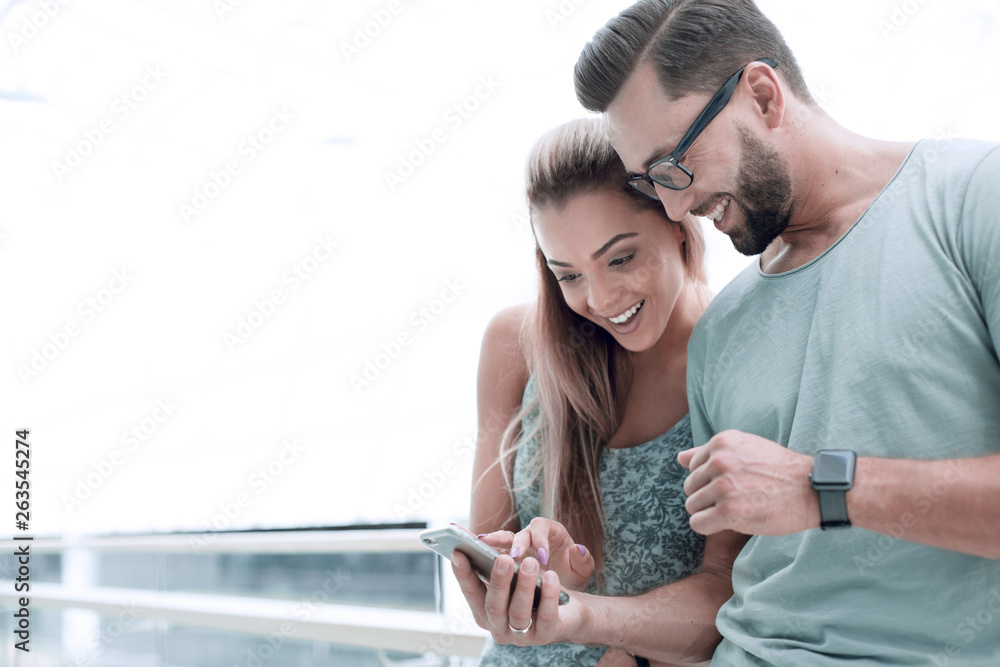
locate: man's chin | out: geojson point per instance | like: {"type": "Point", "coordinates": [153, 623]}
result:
{"type": "Point", "coordinates": [752, 235]}
{"type": "Point", "coordinates": [746, 244]}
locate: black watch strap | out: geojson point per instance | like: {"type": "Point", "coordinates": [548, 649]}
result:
{"type": "Point", "coordinates": [832, 477]}
{"type": "Point", "coordinates": [833, 510]}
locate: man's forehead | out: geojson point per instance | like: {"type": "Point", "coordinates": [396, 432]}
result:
{"type": "Point", "coordinates": [638, 120]}
{"type": "Point", "coordinates": [642, 122]}
{"type": "Point", "coordinates": [641, 93]}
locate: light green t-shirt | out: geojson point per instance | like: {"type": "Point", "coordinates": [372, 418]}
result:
{"type": "Point", "coordinates": [885, 344]}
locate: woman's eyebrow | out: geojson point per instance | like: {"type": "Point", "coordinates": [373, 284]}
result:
{"type": "Point", "coordinates": [607, 246]}
{"type": "Point", "coordinates": [603, 249]}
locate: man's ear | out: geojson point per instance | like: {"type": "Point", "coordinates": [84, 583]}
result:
{"type": "Point", "coordinates": [767, 91]}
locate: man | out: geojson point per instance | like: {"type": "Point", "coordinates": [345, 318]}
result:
{"type": "Point", "coordinates": [869, 326]}
{"type": "Point", "coordinates": [860, 347]}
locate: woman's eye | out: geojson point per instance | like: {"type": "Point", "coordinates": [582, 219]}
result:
{"type": "Point", "coordinates": [621, 261]}
{"type": "Point", "coordinates": [569, 278]}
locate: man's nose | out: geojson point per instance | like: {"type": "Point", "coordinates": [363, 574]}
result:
{"type": "Point", "coordinates": [676, 203]}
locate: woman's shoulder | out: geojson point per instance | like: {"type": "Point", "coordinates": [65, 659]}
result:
{"type": "Point", "coordinates": [503, 363]}
{"type": "Point", "coordinates": [504, 328]}
{"type": "Point", "coordinates": [502, 344]}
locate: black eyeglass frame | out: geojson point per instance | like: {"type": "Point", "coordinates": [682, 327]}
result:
{"type": "Point", "coordinates": [711, 110]}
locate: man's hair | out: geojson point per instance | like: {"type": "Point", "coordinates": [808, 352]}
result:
{"type": "Point", "coordinates": [696, 45]}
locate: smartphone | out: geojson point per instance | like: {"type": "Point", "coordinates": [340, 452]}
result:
{"type": "Point", "coordinates": [480, 554]}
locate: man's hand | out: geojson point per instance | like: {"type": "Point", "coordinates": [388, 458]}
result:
{"type": "Point", "coordinates": [616, 657]}
{"type": "Point", "coordinates": [499, 612]}
{"type": "Point", "coordinates": [550, 543]}
{"type": "Point", "coordinates": [748, 484]}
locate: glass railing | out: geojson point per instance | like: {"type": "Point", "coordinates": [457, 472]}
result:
{"type": "Point", "coordinates": [358, 596]}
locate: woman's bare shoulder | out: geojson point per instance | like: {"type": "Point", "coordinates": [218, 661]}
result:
{"type": "Point", "coordinates": [503, 365]}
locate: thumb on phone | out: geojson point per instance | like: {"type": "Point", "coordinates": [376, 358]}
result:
{"type": "Point", "coordinates": [581, 565]}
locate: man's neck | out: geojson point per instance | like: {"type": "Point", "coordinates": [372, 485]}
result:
{"type": "Point", "coordinates": [836, 175]}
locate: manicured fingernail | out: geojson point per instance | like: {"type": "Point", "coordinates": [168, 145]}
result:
{"type": "Point", "coordinates": [583, 549]}
{"type": "Point", "coordinates": [482, 535]}
{"type": "Point", "coordinates": [528, 566]}
{"type": "Point", "coordinates": [515, 552]}
{"type": "Point", "coordinates": [503, 566]}
{"type": "Point", "coordinates": [543, 556]}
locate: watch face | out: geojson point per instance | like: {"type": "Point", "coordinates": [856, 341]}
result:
{"type": "Point", "coordinates": [833, 468]}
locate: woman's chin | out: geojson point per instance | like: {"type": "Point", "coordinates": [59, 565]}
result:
{"type": "Point", "coordinates": [636, 340]}
{"type": "Point", "coordinates": [634, 345]}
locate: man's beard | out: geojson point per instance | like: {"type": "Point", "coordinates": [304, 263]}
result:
{"type": "Point", "coordinates": [763, 193]}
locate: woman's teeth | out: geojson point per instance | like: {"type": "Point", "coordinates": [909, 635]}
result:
{"type": "Point", "coordinates": [716, 213]}
{"type": "Point", "coordinates": [627, 315]}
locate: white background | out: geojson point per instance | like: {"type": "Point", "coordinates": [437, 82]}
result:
{"type": "Point", "coordinates": [397, 448]}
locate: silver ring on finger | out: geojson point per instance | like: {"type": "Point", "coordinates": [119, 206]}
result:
{"type": "Point", "coordinates": [520, 632]}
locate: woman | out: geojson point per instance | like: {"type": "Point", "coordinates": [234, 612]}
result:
{"type": "Point", "coordinates": [590, 384]}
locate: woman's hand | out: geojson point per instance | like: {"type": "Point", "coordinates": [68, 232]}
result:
{"type": "Point", "coordinates": [510, 618]}
{"type": "Point", "coordinates": [550, 543]}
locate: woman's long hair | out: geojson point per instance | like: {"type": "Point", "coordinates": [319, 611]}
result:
{"type": "Point", "coordinates": [581, 374]}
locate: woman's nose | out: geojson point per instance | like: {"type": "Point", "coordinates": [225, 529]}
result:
{"type": "Point", "coordinates": [602, 297]}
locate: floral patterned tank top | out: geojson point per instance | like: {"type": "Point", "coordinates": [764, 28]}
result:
{"type": "Point", "coordinates": [648, 540]}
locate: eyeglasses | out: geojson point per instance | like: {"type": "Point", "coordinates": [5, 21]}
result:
{"type": "Point", "coordinates": [668, 171]}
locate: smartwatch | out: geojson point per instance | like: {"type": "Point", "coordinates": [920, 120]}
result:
{"type": "Point", "coordinates": [832, 477]}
